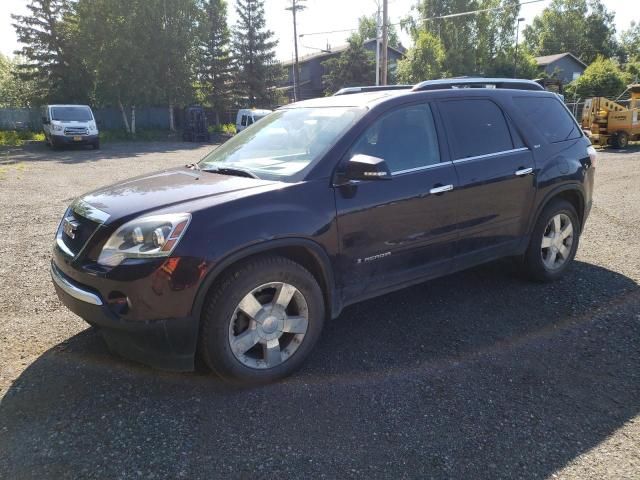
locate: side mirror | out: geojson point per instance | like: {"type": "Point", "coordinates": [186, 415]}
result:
{"type": "Point", "coordinates": [365, 167]}
{"type": "Point", "coordinates": [45, 121]}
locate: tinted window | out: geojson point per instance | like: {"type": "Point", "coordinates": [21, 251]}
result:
{"type": "Point", "coordinates": [249, 120]}
{"type": "Point", "coordinates": [405, 138]}
{"type": "Point", "coordinates": [549, 116]}
{"type": "Point", "coordinates": [475, 127]}
{"type": "Point", "coordinates": [243, 122]}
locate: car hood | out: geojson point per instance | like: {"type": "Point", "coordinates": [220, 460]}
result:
{"type": "Point", "coordinates": [164, 189]}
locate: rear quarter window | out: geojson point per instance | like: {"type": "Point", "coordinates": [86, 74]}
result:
{"type": "Point", "coordinates": [549, 117]}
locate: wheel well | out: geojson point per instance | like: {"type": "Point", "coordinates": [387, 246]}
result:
{"type": "Point", "coordinates": [574, 197]}
{"type": "Point", "coordinates": [299, 254]}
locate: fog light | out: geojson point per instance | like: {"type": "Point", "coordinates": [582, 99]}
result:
{"type": "Point", "coordinates": [119, 303]}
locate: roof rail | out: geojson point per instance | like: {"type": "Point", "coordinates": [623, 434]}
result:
{"type": "Point", "coordinates": [371, 88]}
{"type": "Point", "coordinates": [477, 82]}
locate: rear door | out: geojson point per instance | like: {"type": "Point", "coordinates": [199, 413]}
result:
{"type": "Point", "coordinates": [395, 231]}
{"type": "Point", "coordinates": [495, 170]}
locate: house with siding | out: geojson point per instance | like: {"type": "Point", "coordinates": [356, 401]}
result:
{"type": "Point", "coordinates": [312, 70]}
{"type": "Point", "coordinates": [563, 66]}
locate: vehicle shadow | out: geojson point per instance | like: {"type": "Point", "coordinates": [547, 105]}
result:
{"type": "Point", "coordinates": [633, 147]}
{"type": "Point", "coordinates": [477, 375]}
{"type": "Point", "coordinates": [74, 154]}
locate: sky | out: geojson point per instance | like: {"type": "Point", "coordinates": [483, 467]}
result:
{"type": "Point", "coordinates": [322, 16]}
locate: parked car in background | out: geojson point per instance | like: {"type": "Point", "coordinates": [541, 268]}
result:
{"type": "Point", "coordinates": [324, 203]}
{"type": "Point", "coordinates": [249, 116]}
{"type": "Point", "coordinates": [69, 125]}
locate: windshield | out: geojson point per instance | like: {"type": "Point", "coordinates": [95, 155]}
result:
{"type": "Point", "coordinates": [70, 114]}
{"type": "Point", "coordinates": [284, 142]}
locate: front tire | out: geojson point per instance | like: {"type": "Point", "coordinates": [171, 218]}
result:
{"type": "Point", "coordinates": [261, 321]}
{"type": "Point", "coordinates": [553, 243]}
{"type": "Point", "coordinates": [96, 145]}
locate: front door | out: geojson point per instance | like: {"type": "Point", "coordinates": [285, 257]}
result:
{"type": "Point", "coordinates": [495, 170]}
{"type": "Point", "coordinates": [399, 230]}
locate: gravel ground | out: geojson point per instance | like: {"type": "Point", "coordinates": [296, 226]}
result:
{"type": "Point", "coordinates": [477, 375]}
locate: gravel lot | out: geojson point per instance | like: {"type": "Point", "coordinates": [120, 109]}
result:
{"type": "Point", "coordinates": [477, 375]}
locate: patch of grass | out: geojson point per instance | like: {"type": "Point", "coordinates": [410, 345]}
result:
{"type": "Point", "coordinates": [151, 135]}
{"type": "Point", "coordinates": [9, 166]}
{"type": "Point", "coordinates": [16, 138]}
{"type": "Point", "coordinates": [224, 128]}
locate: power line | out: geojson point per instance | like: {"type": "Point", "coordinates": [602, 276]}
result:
{"type": "Point", "coordinates": [451, 15]}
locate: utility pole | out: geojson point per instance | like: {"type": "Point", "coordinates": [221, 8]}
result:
{"type": "Point", "coordinates": [295, 6]}
{"type": "Point", "coordinates": [515, 56]}
{"type": "Point", "coordinates": [378, 46]}
{"type": "Point", "coordinates": [385, 41]}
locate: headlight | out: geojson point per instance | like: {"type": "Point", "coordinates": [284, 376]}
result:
{"type": "Point", "coordinates": [92, 126]}
{"type": "Point", "coordinates": [57, 128]}
{"type": "Point", "coordinates": [145, 237]}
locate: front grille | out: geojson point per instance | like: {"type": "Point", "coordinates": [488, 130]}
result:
{"type": "Point", "coordinates": [82, 229]}
{"type": "Point", "coordinates": [76, 131]}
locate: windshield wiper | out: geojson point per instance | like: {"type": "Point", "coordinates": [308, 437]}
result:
{"type": "Point", "coordinates": [231, 171]}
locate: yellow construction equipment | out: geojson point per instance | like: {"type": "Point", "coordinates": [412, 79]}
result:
{"type": "Point", "coordinates": [609, 123]}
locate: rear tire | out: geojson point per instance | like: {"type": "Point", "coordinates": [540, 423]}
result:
{"type": "Point", "coordinates": [261, 321]}
{"type": "Point", "coordinates": [620, 140]}
{"type": "Point", "coordinates": [554, 242]}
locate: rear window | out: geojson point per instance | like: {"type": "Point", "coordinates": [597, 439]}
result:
{"type": "Point", "coordinates": [475, 127]}
{"type": "Point", "coordinates": [549, 116]}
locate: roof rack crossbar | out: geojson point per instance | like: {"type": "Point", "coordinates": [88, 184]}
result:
{"type": "Point", "coordinates": [477, 82]}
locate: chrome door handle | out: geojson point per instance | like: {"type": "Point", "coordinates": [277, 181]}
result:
{"type": "Point", "coordinates": [442, 189]}
{"type": "Point", "coordinates": [524, 171]}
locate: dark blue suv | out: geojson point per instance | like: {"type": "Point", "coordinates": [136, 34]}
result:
{"type": "Point", "coordinates": [239, 259]}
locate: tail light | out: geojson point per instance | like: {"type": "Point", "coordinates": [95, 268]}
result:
{"type": "Point", "coordinates": [593, 154]}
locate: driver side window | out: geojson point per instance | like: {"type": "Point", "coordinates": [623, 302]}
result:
{"type": "Point", "coordinates": [405, 138]}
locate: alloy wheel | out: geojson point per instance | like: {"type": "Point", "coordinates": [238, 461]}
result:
{"type": "Point", "coordinates": [268, 325]}
{"type": "Point", "coordinates": [557, 241]}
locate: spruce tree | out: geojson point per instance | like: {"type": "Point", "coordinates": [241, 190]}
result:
{"type": "Point", "coordinates": [215, 55]}
{"type": "Point", "coordinates": [47, 34]}
{"type": "Point", "coordinates": [255, 69]}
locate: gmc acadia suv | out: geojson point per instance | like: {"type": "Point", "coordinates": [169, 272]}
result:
{"type": "Point", "coordinates": [242, 257]}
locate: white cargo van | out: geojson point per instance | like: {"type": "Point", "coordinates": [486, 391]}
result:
{"type": "Point", "coordinates": [249, 116]}
{"type": "Point", "coordinates": [69, 125]}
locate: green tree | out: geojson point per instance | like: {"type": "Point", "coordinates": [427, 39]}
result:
{"type": "Point", "coordinates": [582, 27]}
{"type": "Point", "coordinates": [215, 58]}
{"type": "Point", "coordinates": [602, 78]}
{"type": "Point", "coordinates": [503, 63]}
{"type": "Point", "coordinates": [50, 57]}
{"type": "Point", "coordinates": [367, 26]}
{"type": "Point", "coordinates": [630, 43]}
{"type": "Point", "coordinates": [456, 34]}
{"type": "Point", "coordinates": [424, 60]}
{"type": "Point", "coordinates": [14, 92]}
{"type": "Point", "coordinates": [255, 69]}
{"type": "Point", "coordinates": [122, 52]}
{"type": "Point", "coordinates": [352, 67]}
{"type": "Point", "coordinates": [471, 43]}
{"type": "Point", "coordinates": [175, 50]}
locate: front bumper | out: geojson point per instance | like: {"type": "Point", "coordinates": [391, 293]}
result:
{"type": "Point", "coordinates": [168, 344]}
{"type": "Point", "coordinates": [74, 139]}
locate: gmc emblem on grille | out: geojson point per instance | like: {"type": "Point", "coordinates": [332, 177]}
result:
{"type": "Point", "coordinates": [69, 226]}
